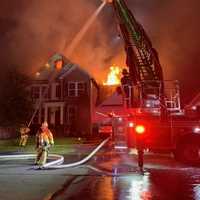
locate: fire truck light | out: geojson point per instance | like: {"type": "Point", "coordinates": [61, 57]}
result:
{"type": "Point", "coordinates": [196, 130]}
{"type": "Point", "coordinates": [139, 129]}
{"type": "Point", "coordinates": [130, 124]}
{"type": "Point", "coordinates": [194, 107]}
{"type": "Point", "coordinates": [148, 105]}
{"type": "Point", "coordinates": [120, 119]}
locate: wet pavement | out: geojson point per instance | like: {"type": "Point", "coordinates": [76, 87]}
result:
{"type": "Point", "coordinates": [114, 176]}
{"type": "Point", "coordinates": [109, 175]}
{"type": "Point", "coordinates": [156, 185]}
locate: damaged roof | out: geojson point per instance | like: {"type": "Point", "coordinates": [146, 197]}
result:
{"type": "Point", "coordinates": [67, 66]}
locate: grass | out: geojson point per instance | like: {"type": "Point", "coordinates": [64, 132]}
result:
{"type": "Point", "coordinates": [62, 145]}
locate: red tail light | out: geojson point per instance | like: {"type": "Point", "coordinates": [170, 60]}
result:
{"type": "Point", "coordinates": [139, 129]}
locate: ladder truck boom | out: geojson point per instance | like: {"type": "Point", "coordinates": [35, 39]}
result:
{"type": "Point", "coordinates": [142, 59]}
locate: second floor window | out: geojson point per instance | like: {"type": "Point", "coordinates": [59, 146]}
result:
{"type": "Point", "coordinates": [45, 92]}
{"type": "Point", "coordinates": [58, 91]}
{"type": "Point", "coordinates": [40, 92]}
{"type": "Point", "coordinates": [35, 92]}
{"type": "Point", "coordinates": [76, 89]}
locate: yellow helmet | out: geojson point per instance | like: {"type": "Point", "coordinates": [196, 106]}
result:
{"type": "Point", "coordinates": [44, 125]}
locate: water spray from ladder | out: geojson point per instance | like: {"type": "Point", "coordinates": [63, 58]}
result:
{"type": "Point", "coordinates": [69, 50]}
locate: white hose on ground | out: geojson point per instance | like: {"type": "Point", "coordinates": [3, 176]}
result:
{"type": "Point", "coordinates": [84, 160]}
{"type": "Point", "coordinates": [14, 157]}
{"type": "Point", "coordinates": [60, 159]}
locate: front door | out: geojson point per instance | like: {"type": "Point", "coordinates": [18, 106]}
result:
{"type": "Point", "coordinates": [57, 117]}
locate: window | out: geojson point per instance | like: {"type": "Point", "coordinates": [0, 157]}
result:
{"type": "Point", "coordinates": [59, 64]}
{"type": "Point", "coordinates": [35, 92]}
{"type": "Point", "coordinates": [58, 91]}
{"type": "Point", "coordinates": [44, 92]}
{"type": "Point", "coordinates": [76, 89]}
{"type": "Point", "coordinates": [71, 114]}
{"type": "Point", "coordinates": [36, 118]}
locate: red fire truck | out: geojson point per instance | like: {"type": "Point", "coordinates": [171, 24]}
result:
{"type": "Point", "coordinates": [154, 119]}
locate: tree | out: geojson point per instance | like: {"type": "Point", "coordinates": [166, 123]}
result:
{"type": "Point", "coordinates": [15, 103]}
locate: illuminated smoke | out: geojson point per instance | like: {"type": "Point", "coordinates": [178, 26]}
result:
{"type": "Point", "coordinates": [41, 28]}
{"type": "Point", "coordinates": [76, 40]}
{"type": "Point", "coordinates": [31, 31]}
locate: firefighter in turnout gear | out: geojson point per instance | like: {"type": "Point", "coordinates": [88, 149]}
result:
{"type": "Point", "coordinates": [44, 140]}
{"type": "Point", "coordinates": [127, 84]}
{"type": "Point", "coordinates": [24, 130]}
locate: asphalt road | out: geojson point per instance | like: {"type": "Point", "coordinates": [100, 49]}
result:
{"type": "Point", "coordinates": [109, 175]}
{"type": "Point", "coordinates": [115, 175]}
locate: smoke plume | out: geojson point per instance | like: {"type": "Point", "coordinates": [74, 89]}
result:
{"type": "Point", "coordinates": [31, 31]}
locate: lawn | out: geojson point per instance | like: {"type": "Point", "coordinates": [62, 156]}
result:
{"type": "Point", "coordinates": [62, 145]}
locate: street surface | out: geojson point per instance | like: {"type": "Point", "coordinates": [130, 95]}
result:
{"type": "Point", "coordinates": [110, 175]}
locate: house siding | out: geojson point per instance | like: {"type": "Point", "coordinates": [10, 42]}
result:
{"type": "Point", "coordinates": [84, 105]}
{"type": "Point", "coordinates": [83, 121]}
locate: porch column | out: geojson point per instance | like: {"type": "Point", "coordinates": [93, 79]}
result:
{"type": "Point", "coordinates": [61, 114]}
{"type": "Point", "coordinates": [46, 113]}
{"type": "Point", "coordinates": [53, 115]}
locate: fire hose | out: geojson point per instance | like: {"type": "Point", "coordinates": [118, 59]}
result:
{"type": "Point", "coordinates": [56, 164]}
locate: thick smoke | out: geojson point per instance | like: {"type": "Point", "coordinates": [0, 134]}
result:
{"type": "Point", "coordinates": [37, 29]}
{"type": "Point", "coordinates": [173, 28]}
{"type": "Point", "coordinates": [31, 31]}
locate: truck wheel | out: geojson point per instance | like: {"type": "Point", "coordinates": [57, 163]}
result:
{"type": "Point", "coordinates": [188, 153]}
{"type": "Point", "coordinates": [191, 153]}
{"type": "Point", "coordinates": [140, 159]}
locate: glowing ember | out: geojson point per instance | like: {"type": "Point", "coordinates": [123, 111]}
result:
{"type": "Point", "coordinates": [47, 65]}
{"type": "Point", "coordinates": [113, 77]}
{"type": "Point", "coordinates": [37, 74]}
{"type": "Point", "coordinates": [59, 64]}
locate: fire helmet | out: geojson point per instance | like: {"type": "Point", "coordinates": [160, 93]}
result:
{"type": "Point", "coordinates": [44, 125]}
{"type": "Point", "coordinates": [124, 71]}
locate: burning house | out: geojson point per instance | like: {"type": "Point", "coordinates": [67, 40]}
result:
{"type": "Point", "coordinates": [111, 100]}
{"type": "Point", "coordinates": [68, 101]}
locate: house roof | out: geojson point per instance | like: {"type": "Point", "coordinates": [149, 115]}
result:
{"type": "Point", "coordinates": [45, 72]}
{"type": "Point", "coordinates": [114, 100]}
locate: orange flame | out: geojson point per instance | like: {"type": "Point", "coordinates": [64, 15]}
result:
{"type": "Point", "coordinates": [113, 77]}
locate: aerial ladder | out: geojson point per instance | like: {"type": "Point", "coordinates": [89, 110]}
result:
{"type": "Point", "coordinates": [143, 62]}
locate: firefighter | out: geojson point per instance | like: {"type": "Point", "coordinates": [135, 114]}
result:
{"type": "Point", "coordinates": [24, 131]}
{"type": "Point", "coordinates": [127, 84]}
{"type": "Point", "coordinates": [44, 140]}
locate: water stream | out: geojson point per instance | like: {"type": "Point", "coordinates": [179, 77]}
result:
{"type": "Point", "coordinates": [68, 50]}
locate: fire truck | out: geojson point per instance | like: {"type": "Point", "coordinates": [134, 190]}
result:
{"type": "Point", "coordinates": [154, 119]}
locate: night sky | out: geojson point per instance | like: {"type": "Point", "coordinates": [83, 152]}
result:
{"type": "Point", "coordinates": [32, 30]}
